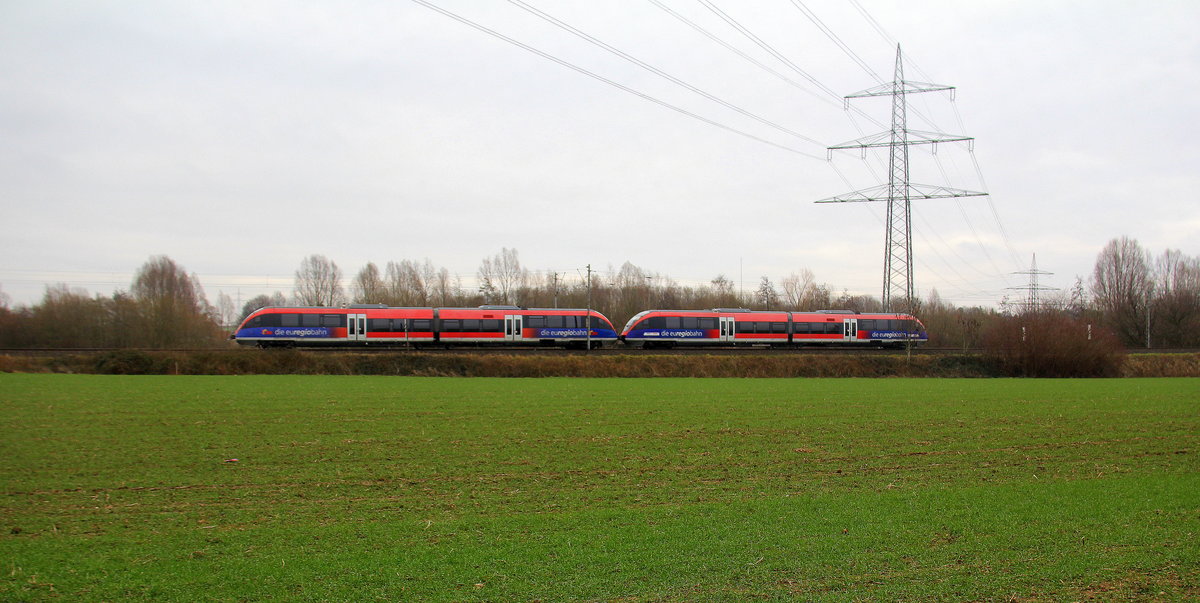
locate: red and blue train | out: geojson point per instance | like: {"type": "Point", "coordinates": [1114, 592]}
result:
{"type": "Point", "coordinates": [571, 328]}
{"type": "Point", "coordinates": [739, 326]}
{"type": "Point", "coordinates": [419, 327]}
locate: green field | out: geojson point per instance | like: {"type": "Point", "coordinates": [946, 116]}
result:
{"type": "Point", "coordinates": [389, 488]}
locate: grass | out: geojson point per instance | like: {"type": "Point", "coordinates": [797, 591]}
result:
{"type": "Point", "coordinates": [362, 488]}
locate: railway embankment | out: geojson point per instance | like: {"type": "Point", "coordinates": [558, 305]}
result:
{"type": "Point", "coordinates": [465, 364]}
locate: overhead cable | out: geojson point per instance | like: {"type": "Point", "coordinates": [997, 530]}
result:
{"type": "Point", "coordinates": [596, 76]}
{"type": "Point", "coordinates": [739, 52]}
{"type": "Point", "coordinates": [835, 39]}
{"type": "Point", "coordinates": [767, 47]}
{"type": "Point", "coordinates": [656, 71]}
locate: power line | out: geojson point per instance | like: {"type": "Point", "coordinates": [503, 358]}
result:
{"type": "Point", "coordinates": [610, 82]}
{"type": "Point", "coordinates": [739, 52]}
{"type": "Point", "coordinates": [874, 24]}
{"type": "Point", "coordinates": [652, 69]}
{"type": "Point", "coordinates": [835, 39]}
{"type": "Point", "coordinates": [767, 47]}
{"type": "Point", "coordinates": [995, 214]}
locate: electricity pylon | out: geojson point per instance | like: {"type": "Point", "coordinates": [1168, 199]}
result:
{"type": "Point", "coordinates": [898, 289]}
{"type": "Point", "coordinates": [1032, 303]}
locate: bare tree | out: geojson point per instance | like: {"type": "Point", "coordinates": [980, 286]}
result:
{"type": "Point", "coordinates": [1177, 306]}
{"type": "Point", "coordinates": [172, 304]}
{"type": "Point", "coordinates": [405, 285]}
{"type": "Point", "coordinates": [368, 286]}
{"type": "Point", "coordinates": [226, 312]}
{"type": "Point", "coordinates": [501, 277]}
{"type": "Point", "coordinates": [723, 293]}
{"type": "Point", "coordinates": [801, 292]}
{"type": "Point", "coordinates": [319, 282]}
{"type": "Point", "coordinates": [766, 294]}
{"type": "Point", "coordinates": [429, 275]}
{"type": "Point", "coordinates": [1122, 285]}
{"type": "Point", "coordinates": [446, 291]}
{"type": "Point", "coordinates": [69, 318]}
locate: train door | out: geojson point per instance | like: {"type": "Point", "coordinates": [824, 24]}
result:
{"type": "Point", "coordinates": [850, 329]}
{"type": "Point", "coordinates": [727, 328]}
{"type": "Point", "coordinates": [513, 327]}
{"type": "Point", "coordinates": [356, 327]}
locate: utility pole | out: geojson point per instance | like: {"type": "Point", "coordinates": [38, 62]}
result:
{"type": "Point", "coordinates": [587, 321]}
{"type": "Point", "coordinates": [898, 289]}
{"type": "Point", "coordinates": [1147, 318]}
{"type": "Point", "coordinates": [1032, 303]}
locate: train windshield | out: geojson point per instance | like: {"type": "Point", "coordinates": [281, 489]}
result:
{"type": "Point", "coordinates": [633, 321]}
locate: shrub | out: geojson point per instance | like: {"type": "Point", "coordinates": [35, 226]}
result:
{"type": "Point", "coordinates": [1052, 344]}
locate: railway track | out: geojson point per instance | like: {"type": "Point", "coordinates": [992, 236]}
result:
{"type": "Point", "coordinates": [547, 351]}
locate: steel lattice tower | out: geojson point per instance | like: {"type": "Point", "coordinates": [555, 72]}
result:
{"type": "Point", "coordinates": [1032, 302]}
{"type": "Point", "coordinates": [898, 289]}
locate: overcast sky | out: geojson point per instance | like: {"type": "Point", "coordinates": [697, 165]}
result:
{"type": "Point", "coordinates": [239, 137]}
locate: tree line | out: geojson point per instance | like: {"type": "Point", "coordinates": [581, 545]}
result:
{"type": "Point", "coordinates": [1133, 294]}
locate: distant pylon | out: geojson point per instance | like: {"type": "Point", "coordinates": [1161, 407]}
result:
{"type": "Point", "coordinates": [898, 288]}
{"type": "Point", "coordinates": [1032, 301]}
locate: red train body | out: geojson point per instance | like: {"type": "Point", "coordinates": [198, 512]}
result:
{"type": "Point", "coordinates": [383, 325]}
{"type": "Point", "coordinates": [728, 326]}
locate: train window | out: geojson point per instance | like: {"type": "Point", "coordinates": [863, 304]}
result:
{"type": "Point", "coordinates": [570, 322]}
{"type": "Point", "coordinates": [779, 327]}
{"type": "Point", "coordinates": [422, 324]}
{"type": "Point", "coordinates": [866, 324]}
{"type": "Point", "coordinates": [491, 326]}
{"type": "Point", "coordinates": [691, 322]}
{"type": "Point", "coordinates": [254, 323]}
{"type": "Point", "coordinates": [554, 322]}
{"type": "Point", "coordinates": [310, 320]}
{"type": "Point", "coordinates": [289, 320]}
{"type": "Point", "coordinates": [379, 324]}
{"type": "Point", "coordinates": [333, 320]}
{"type": "Point", "coordinates": [672, 322]}
{"type": "Point", "coordinates": [535, 322]}
{"type": "Point", "coordinates": [471, 325]}
{"type": "Point", "coordinates": [600, 323]}
{"type": "Point", "coordinates": [658, 322]}
{"type": "Point", "coordinates": [708, 323]}
{"type": "Point", "coordinates": [833, 327]}
{"type": "Point", "coordinates": [451, 326]}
